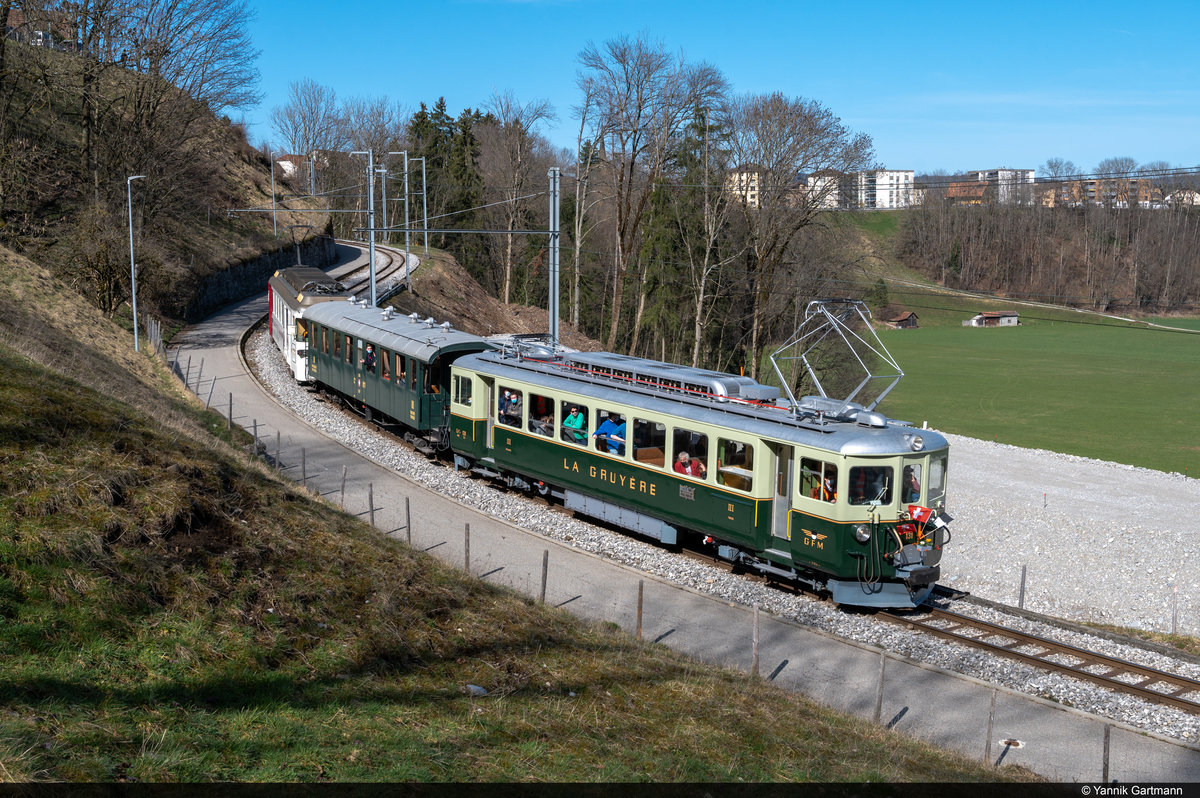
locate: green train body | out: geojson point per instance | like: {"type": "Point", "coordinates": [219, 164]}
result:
{"type": "Point", "coordinates": [834, 496]}
{"type": "Point", "coordinates": [805, 496]}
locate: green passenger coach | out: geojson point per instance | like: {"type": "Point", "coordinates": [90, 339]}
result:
{"type": "Point", "coordinates": [835, 496]}
{"type": "Point", "coordinates": [388, 367]}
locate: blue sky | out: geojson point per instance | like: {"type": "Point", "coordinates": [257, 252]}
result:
{"type": "Point", "coordinates": [954, 86]}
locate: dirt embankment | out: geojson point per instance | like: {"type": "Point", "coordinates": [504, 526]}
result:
{"type": "Point", "coordinates": [443, 289]}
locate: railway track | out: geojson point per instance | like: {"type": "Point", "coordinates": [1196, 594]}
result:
{"type": "Point", "coordinates": [1110, 672]}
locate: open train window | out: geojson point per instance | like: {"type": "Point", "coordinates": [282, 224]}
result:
{"type": "Point", "coordinates": [818, 480]}
{"type": "Point", "coordinates": [735, 464]}
{"type": "Point", "coordinates": [541, 415]}
{"type": "Point", "coordinates": [384, 365]}
{"type": "Point", "coordinates": [649, 442]}
{"type": "Point", "coordinates": [337, 346]}
{"type": "Point", "coordinates": [349, 349]}
{"type": "Point", "coordinates": [400, 372]}
{"type": "Point", "coordinates": [574, 423]}
{"type": "Point", "coordinates": [610, 432]}
{"type": "Point", "coordinates": [871, 484]}
{"type": "Point", "coordinates": [510, 406]}
{"type": "Point", "coordinates": [325, 340]}
{"type": "Point", "coordinates": [695, 446]}
{"type": "Point", "coordinates": [301, 330]}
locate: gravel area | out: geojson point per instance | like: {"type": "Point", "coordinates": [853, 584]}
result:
{"type": "Point", "coordinates": [1101, 542]}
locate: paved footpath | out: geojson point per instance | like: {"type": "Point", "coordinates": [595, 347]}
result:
{"type": "Point", "coordinates": [947, 709]}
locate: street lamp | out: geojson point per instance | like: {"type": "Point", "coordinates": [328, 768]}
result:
{"type": "Point", "coordinates": [132, 268]}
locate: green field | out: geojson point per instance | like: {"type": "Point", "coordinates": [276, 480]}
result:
{"type": "Point", "coordinates": [1060, 381]}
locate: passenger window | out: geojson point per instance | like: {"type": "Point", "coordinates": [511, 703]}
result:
{"type": "Point", "coordinates": [649, 443]}
{"type": "Point", "coordinates": [462, 390]}
{"type": "Point", "coordinates": [871, 485]}
{"type": "Point", "coordinates": [349, 348]}
{"type": "Point", "coordinates": [368, 358]}
{"type": "Point", "coordinates": [385, 370]}
{"type": "Point", "coordinates": [818, 480]}
{"type": "Point", "coordinates": [691, 453]}
{"type": "Point", "coordinates": [301, 330]}
{"type": "Point", "coordinates": [400, 373]}
{"type": "Point", "coordinates": [325, 340]}
{"type": "Point", "coordinates": [508, 411]}
{"type": "Point", "coordinates": [574, 423]}
{"type": "Point", "coordinates": [735, 464]}
{"type": "Point", "coordinates": [610, 432]}
{"type": "Point", "coordinates": [910, 484]}
{"type": "Point", "coordinates": [337, 346]}
{"type": "Point", "coordinates": [413, 367]}
{"type": "Point", "coordinates": [541, 415]}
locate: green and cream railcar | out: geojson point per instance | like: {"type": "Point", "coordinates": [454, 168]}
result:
{"type": "Point", "coordinates": [801, 495]}
{"type": "Point", "coordinates": [389, 367]}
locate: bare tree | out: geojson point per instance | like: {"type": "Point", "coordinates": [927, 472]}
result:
{"type": "Point", "coordinates": [202, 48]}
{"type": "Point", "coordinates": [311, 120]}
{"type": "Point", "coordinates": [640, 97]}
{"type": "Point", "coordinates": [511, 164]}
{"type": "Point", "coordinates": [781, 138]}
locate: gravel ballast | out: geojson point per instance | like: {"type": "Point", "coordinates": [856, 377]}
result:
{"type": "Point", "coordinates": [1101, 542]}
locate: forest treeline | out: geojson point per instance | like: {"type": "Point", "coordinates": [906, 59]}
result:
{"type": "Point", "coordinates": [1095, 256]}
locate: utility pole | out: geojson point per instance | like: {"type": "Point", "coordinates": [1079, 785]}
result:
{"type": "Point", "coordinates": [132, 268]}
{"type": "Point", "coordinates": [370, 213]}
{"type": "Point", "coordinates": [424, 206]}
{"type": "Point", "coordinates": [555, 178]}
{"type": "Point", "coordinates": [274, 222]}
{"type": "Point", "coordinates": [383, 187]}
{"type": "Point", "coordinates": [407, 279]}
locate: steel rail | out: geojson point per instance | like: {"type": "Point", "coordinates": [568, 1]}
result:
{"type": "Point", "coordinates": [976, 633]}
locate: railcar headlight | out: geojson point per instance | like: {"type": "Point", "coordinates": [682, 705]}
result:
{"type": "Point", "coordinates": [862, 533]}
{"type": "Point", "coordinates": [918, 443]}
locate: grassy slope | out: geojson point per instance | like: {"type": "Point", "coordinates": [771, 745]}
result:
{"type": "Point", "coordinates": [174, 611]}
{"type": "Point", "coordinates": [1064, 381]}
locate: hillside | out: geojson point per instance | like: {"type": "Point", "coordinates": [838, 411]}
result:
{"type": "Point", "coordinates": [64, 188]}
{"type": "Point", "coordinates": [174, 611]}
{"type": "Point", "coordinates": [443, 289]}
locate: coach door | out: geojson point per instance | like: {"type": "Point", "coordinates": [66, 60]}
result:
{"type": "Point", "coordinates": [490, 392]}
{"type": "Point", "coordinates": [782, 504]}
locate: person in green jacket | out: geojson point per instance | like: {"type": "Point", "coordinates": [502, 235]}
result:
{"type": "Point", "coordinates": [578, 425]}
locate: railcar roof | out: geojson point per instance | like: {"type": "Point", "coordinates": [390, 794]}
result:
{"type": "Point", "coordinates": [843, 437]}
{"type": "Point", "coordinates": [423, 339]}
{"type": "Point", "coordinates": [302, 286]}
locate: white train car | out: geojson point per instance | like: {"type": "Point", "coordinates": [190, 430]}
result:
{"type": "Point", "coordinates": [290, 292]}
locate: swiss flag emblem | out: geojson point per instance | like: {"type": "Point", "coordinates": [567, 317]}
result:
{"type": "Point", "coordinates": [919, 514]}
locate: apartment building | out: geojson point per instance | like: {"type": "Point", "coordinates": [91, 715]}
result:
{"type": "Point", "coordinates": [1011, 185]}
{"type": "Point", "coordinates": [745, 184]}
{"type": "Point", "coordinates": [881, 189]}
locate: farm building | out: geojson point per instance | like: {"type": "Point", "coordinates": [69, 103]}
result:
{"type": "Point", "coordinates": [904, 321]}
{"type": "Point", "coordinates": [996, 318]}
